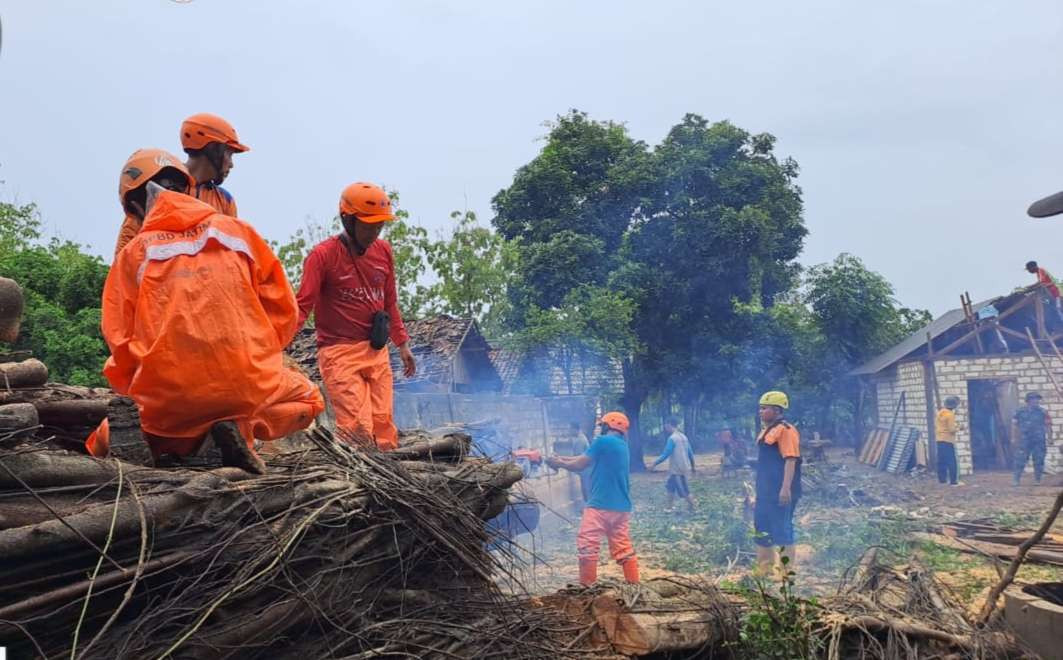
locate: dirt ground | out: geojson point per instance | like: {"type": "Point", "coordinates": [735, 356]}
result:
{"type": "Point", "coordinates": [847, 507]}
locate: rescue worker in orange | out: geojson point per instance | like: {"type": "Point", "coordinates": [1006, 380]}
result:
{"type": "Point", "coordinates": [608, 511]}
{"type": "Point", "coordinates": [196, 312]}
{"type": "Point", "coordinates": [210, 143]}
{"type": "Point", "coordinates": [349, 285]}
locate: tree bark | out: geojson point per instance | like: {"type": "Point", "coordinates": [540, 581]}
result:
{"type": "Point", "coordinates": [74, 412]}
{"type": "Point", "coordinates": [17, 416]}
{"type": "Point", "coordinates": [11, 303]}
{"type": "Point", "coordinates": [28, 373]}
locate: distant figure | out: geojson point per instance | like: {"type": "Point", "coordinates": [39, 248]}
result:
{"type": "Point", "coordinates": [1031, 431]}
{"type": "Point", "coordinates": [1046, 280]}
{"type": "Point", "coordinates": [680, 457]}
{"type": "Point", "coordinates": [608, 512]}
{"type": "Point", "coordinates": [735, 452]}
{"type": "Point", "coordinates": [945, 431]}
{"type": "Point", "coordinates": [778, 482]}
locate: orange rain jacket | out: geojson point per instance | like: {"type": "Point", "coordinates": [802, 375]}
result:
{"type": "Point", "coordinates": [196, 312]}
{"type": "Point", "coordinates": [216, 196]}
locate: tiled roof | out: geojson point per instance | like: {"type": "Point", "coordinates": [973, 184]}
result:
{"type": "Point", "coordinates": [435, 343]}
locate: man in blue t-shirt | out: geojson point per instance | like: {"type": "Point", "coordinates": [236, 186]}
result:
{"type": "Point", "coordinates": [608, 510]}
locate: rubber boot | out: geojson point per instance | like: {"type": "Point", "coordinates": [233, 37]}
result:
{"type": "Point", "coordinates": [631, 570]}
{"type": "Point", "coordinates": [234, 450]}
{"type": "Point", "coordinates": [588, 571]}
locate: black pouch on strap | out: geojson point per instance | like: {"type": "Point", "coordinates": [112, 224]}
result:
{"type": "Point", "coordinates": [378, 336]}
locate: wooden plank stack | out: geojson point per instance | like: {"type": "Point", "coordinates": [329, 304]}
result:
{"type": "Point", "coordinates": [988, 538]}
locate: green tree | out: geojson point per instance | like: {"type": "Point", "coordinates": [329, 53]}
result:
{"type": "Point", "coordinates": [592, 323]}
{"type": "Point", "coordinates": [716, 242]}
{"type": "Point", "coordinates": [62, 287]}
{"type": "Point", "coordinates": [471, 267]}
{"type": "Point", "coordinates": [567, 213]}
{"type": "Point", "coordinates": [856, 316]}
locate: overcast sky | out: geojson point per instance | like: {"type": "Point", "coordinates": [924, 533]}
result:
{"type": "Point", "coordinates": [923, 129]}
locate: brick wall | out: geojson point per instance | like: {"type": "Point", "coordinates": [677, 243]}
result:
{"type": "Point", "coordinates": [952, 376]}
{"type": "Point", "coordinates": [1028, 374]}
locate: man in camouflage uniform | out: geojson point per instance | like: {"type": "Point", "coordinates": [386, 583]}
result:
{"type": "Point", "coordinates": [1031, 431]}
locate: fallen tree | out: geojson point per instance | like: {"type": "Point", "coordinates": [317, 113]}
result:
{"type": "Point", "coordinates": [335, 552]}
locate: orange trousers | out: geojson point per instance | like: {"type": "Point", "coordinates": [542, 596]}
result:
{"type": "Point", "coordinates": [292, 407]}
{"type": "Point", "coordinates": [359, 384]}
{"type": "Point", "coordinates": [614, 525]}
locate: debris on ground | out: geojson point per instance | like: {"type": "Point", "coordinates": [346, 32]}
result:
{"type": "Point", "coordinates": [990, 540]}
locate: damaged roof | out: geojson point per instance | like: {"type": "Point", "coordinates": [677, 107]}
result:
{"type": "Point", "coordinates": [541, 373]}
{"type": "Point", "coordinates": [949, 326]}
{"type": "Point", "coordinates": [436, 343]}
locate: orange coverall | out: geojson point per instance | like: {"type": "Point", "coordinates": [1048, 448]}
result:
{"type": "Point", "coordinates": [216, 196]}
{"type": "Point", "coordinates": [196, 312]}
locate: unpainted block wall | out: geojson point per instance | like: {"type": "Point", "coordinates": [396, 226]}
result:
{"type": "Point", "coordinates": [952, 376]}
{"type": "Point", "coordinates": [1028, 374]}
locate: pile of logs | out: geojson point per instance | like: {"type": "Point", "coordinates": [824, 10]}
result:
{"type": "Point", "coordinates": [30, 405]}
{"type": "Point", "coordinates": [335, 552]}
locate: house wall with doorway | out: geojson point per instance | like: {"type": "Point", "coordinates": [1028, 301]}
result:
{"type": "Point", "coordinates": [953, 378]}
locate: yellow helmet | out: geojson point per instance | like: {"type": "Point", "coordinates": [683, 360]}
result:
{"type": "Point", "coordinates": [775, 399]}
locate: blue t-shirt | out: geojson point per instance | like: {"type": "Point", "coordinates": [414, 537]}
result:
{"type": "Point", "coordinates": [610, 464]}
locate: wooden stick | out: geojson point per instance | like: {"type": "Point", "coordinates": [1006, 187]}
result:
{"type": "Point", "coordinates": [1020, 557]}
{"type": "Point", "coordinates": [1051, 376]}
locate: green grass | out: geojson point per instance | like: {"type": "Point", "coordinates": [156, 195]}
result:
{"type": "Point", "coordinates": [692, 543]}
{"type": "Point", "coordinates": [940, 558]}
{"type": "Point", "coordinates": [840, 542]}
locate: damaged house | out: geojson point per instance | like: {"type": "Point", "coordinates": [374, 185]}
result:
{"type": "Point", "coordinates": [989, 355]}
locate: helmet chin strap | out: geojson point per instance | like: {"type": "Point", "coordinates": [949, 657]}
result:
{"type": "Point", "coordinates": [352, 242]}
{"type": "Point", "coordinates": [215, 157]}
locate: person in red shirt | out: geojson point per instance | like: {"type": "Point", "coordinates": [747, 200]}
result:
{"type": "Point", "coordinates": [349, 284]}
{"type": "Point", "coordinates": [1045, 280]}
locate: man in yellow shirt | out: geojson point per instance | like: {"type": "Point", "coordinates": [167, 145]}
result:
{"type": "Point", "coordinates": [945, 428]}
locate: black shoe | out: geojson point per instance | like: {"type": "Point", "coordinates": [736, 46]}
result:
{"type": "Point", "coordinates": [234, 451]}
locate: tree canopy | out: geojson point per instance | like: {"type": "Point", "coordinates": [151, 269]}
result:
{"type": "Point", "coordinates": [62, 287]}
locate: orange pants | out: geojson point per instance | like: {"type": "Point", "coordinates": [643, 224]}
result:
{"type": "Point", "coordinates": [292, 407]}
{"type": "Point", "coordinates": [614, 526]}
{"type": "Point", "coordinates": [359, 384]}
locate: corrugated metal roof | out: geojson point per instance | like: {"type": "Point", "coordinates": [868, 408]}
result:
{"type": "Point", "coordinates": [916, 341]}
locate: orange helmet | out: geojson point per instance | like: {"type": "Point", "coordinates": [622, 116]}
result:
{"type": "Point", "coordinates": [200, 130]}
{"type": "Point", "coordinates": [366, 202]}
{"type": "Point", "coordinates": [142, 166]}
{"type": "Point", "coordinates": [616, 420]}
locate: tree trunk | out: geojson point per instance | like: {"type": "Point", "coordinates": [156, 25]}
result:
{"type": "Point", "coordinates": [631, 400]}
{"type": "Point", "coordinates": [75, 412]}
{"type": "Point", "coordinates": [28, 373]}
